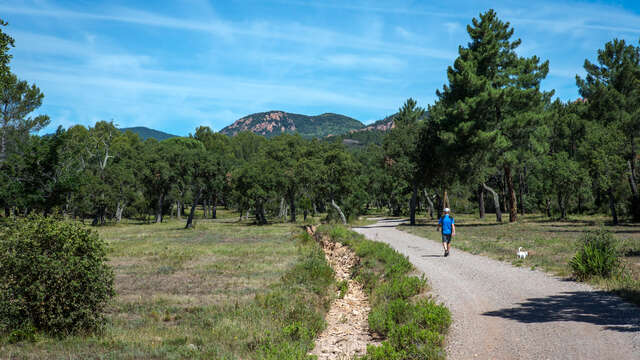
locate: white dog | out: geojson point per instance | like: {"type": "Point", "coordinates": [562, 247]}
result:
{"type": "Point", "coordinates": [522, 254]}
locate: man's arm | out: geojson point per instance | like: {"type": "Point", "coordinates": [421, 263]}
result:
{"type": "Point", "coordinates": [438, 226]}
{"type": "Point", "coordinates": [453, 229]}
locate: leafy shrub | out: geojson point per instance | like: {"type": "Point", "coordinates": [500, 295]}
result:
{"type": "Point", "coordinates": [53, 276]}
{"type": "Point", "coordinates": [402, 287]}
{"type": "Point", "coordinates": [598, 255]}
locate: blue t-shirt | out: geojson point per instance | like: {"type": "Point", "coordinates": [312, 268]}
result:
{"type": "Point", "coordinates": [446, 221]}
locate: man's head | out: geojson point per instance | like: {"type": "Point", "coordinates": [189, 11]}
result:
{"type": "Point", "coordinates": [446, 210]}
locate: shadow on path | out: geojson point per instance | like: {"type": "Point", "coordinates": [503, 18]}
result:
{"type": "Point", "coordinates": [594, 307]}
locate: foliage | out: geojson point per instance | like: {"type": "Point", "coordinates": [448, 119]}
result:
{"type": "Point", "coordinates": [53, 276]}
{"type": "Point", "coordinates": [598, 255]}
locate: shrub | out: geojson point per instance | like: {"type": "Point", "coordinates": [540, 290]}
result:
{"type": "Point", "coordinates": [598, 255]}
{"type": "Point", "coordinates": [53, 276]}
{"type": "Point", "coordinates": [402, 287]}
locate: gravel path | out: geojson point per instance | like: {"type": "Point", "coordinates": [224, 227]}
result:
{"type": "Point", "coordinates": [503, 312]}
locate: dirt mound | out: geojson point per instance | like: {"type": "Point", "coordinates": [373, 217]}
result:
{"type": "Point", "coordinates": [347, 333]}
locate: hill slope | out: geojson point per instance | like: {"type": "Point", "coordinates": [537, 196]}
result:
{"type": "Point", "coordinates": [273, 123]}
{"type": "Point", "coordinates": [146, 133]}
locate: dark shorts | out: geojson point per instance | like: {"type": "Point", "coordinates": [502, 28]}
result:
{"type": "Point", "coordinates": [446, 238]}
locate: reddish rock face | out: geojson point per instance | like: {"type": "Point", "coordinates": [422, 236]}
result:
{"type": "Point", "coordinates": [264, 123]}
{"type": "Point", "coordinates": [273, 123]}
{"type": "Point", "coordinates": [382, 125]}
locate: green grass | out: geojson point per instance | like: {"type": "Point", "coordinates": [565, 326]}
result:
{"type": "Point", "coordinates": [224, 290]}
{"type": "Point", "coordinates": [551, 244]}
{"type": "Point", "coordinates": [413, 324]}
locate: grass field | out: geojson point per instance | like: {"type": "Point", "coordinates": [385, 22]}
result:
{"type": "Point", "coordinates": [551, 243]}
{"type": "Point", "coordinates": [222, 290]}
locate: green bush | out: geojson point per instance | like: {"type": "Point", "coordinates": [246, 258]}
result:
{"type": "Point", "coordinates": [598, 255]}
{"type": "Point", "coordinates": [402, 287]}
{"type": "Point", "coordinates": [53, 276]}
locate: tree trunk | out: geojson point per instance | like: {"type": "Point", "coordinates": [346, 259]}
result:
{"type": "Point", "coordinates": [561, 205]}
{"type": "Point", "coordinates": [193, 209]}
{"type": "Point", "coordinates": [7, 211]}
{"type": "Point", "coordinates": [119, 210]}
{"type": "Point", "coordinates": [292, 202]}
{"type": "Point", "coordinates": [281, 212]}
{"type": "Point", "coordinates": [496, 202]}
{"type": "Point", "coordinates": [635, 198]}
{"type": "Point", "coordinates": [431, 211]}
{"type": "Point", "coordinates": [412, 205]}
{"type": "Point", "coordinates": [481, 209]}
{"type": "Point", "coordinates": [305, 213]}
{"type": "Point", "coordinates": [214, 207]}
{"type": "Point", "coordinates": [344, 219]}
{"type": "Point", "coordinates": [178, 210]}
{"type": "Point", "coordinates": [548, 207]}
{"type": "Point", "coordinates": [205, 209]}
{"type": "Point", "coordinates": [261, 218]}
{"type": "Point", "coordinates": [612, 206]}
{"type": "Point", "coordinates": [513, 203]}
{"type": "Point", "coordinates": [159, 203]}
{"type": "Point", "coordinates": [521, 192]}
{"type": "Point", "coordinates": [445, 199]}
{"type": "Point", "coordinates": [505, 202]}
{"type": "Point", "coordinates": [580, 203]}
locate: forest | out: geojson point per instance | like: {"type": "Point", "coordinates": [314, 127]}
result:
{"type": "Point", "coordinates": [493, 142]}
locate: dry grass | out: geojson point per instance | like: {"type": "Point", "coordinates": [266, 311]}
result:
{"type": "Point", "coordinates": [181, 293]}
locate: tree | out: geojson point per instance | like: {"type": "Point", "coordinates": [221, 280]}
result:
{"type": "Point", "coordinates": [401, 149]}
{"type": "Point", "coordinates": [612, 91]}
{"type": "Point", "coordinates": [18, 99]}
{"type": "Point", "coordinates": [493, 103]}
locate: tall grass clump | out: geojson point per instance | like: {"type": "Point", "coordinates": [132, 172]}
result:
{"type": "Point", "coordinates": [414, 326]}
{"type": "Point", "coordinates": [53, 277]}
{"type": "Point", "coordinates": [598, 255]}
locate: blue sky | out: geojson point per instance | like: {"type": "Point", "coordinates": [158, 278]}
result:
{"type": "Point", "coordinates": [176, 65]}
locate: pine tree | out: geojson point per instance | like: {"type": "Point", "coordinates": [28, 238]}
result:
{"type": "Point", "coordinates": [493, 103]}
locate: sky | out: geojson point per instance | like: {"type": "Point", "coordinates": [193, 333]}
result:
{"type": "Point", "coordinates": [176, 65]}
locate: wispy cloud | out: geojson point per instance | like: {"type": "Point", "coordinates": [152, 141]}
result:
{"type": "Point", "coordinates": [175, 67]}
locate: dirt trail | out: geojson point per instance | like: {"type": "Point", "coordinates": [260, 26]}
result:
{"type": "Point", "coordinates": [503, 312]}
{"type": "Point", "coordinates": [347, 333]}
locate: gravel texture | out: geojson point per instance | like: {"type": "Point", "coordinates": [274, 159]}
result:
{"type": "Point", "coordinates": [504, 312]}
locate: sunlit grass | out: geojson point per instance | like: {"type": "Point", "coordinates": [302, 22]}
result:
{"type": "Point", "coordinates": [183, 293]}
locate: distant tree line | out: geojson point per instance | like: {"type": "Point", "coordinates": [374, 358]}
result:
{"type": "Point", "coordinates": [492, 142]}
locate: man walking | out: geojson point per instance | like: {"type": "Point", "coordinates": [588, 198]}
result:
{"type": "Point", "coordinates": [448, 226]}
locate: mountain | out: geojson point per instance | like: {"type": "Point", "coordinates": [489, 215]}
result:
{"type": "Point", "coordinates": [368, 134]}
{"type": "Point", "coordinates": [380, 125]}
{"type": "Point", "coordinates": [146, 133]}
{"type": "Point", "coordinates": [273, 123]}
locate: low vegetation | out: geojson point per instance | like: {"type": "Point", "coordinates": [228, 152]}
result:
{"type": "Point", "coordinates": [552, 244]}
{"type": "Point", "coordinates": [598, 255]}
{"type": "Point", "coordinates": [53, 278]}
{"type": "Point", "coordinates": [414, 325]}
{"type": "Point", "coordinates": [223, 290]}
